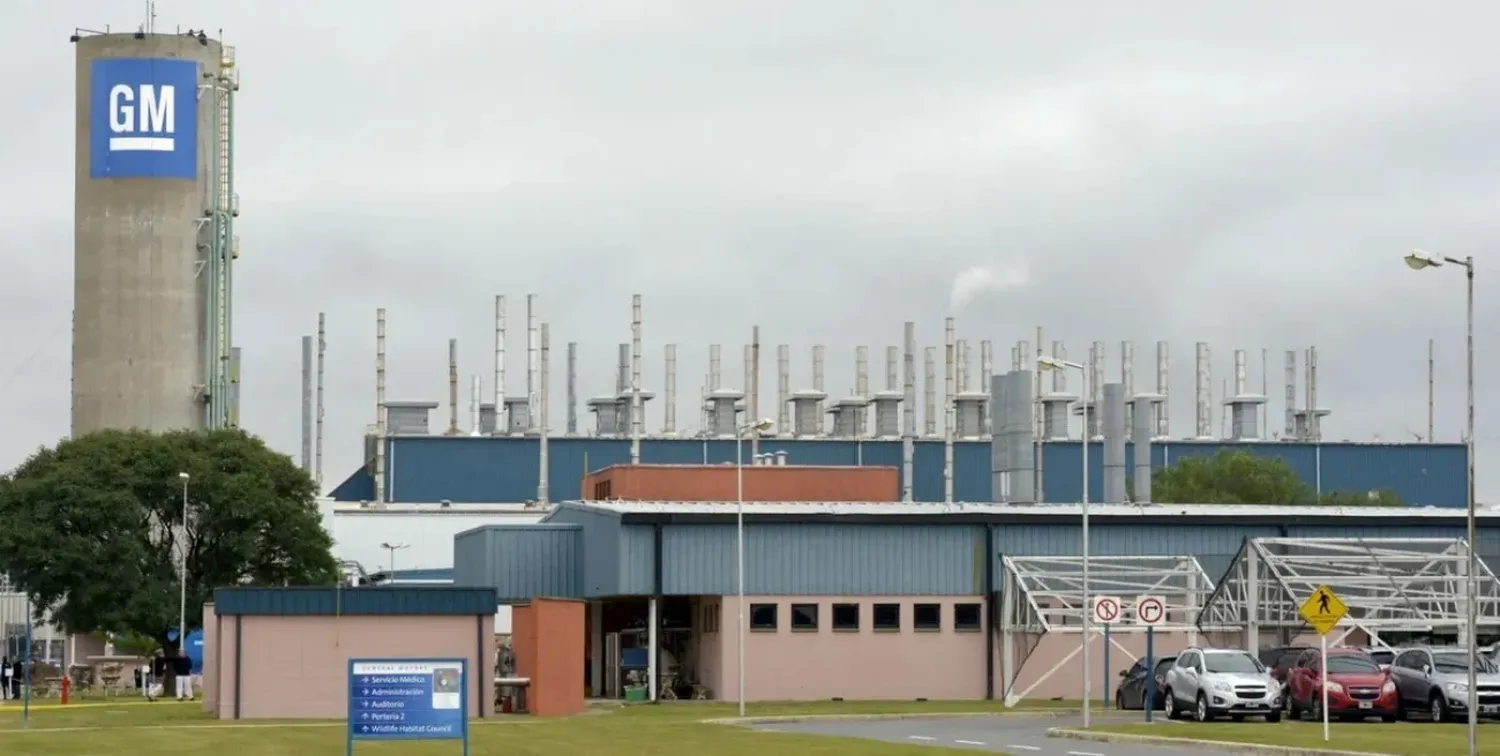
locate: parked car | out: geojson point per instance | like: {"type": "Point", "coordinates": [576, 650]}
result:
{"type": "Point", "coordinates": [1280, 659]}
{"type": "Point", "coordinates": [1436, 680]}
{"type": "Point", "coordinates": [1131, 694]}
{"type": "Point", "coordinates": [1381, 655]}
{"type": "Point", "coordinates": [1210, 682]}
{"type": "Point", "coordinates": [1357, 687]}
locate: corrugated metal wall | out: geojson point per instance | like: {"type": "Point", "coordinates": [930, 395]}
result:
{"type": "Point", "coordinates": [520, 561]}
{"type": "Point", "coordinates": [427, 599]}
{"type": "Point", "coordinates": [481, 470]}
{"type": "Point", "coordinates": [614, 560]}
{"type": "Point", "coordinates": [831, 559]}
{"type": "Point", "coordinates": [822, 560]}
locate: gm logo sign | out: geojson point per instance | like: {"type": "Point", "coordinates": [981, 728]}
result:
{"type": "Point", "coordinates": [143, 118]}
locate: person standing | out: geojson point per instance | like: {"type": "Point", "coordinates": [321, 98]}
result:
{"type": "Point", "coordinates": [182, 668]}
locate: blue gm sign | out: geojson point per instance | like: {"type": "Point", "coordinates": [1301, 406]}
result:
{"type": "Point", "coordinates": [408, 699]}
{"type": "Point", "coordinates": [143, 118]}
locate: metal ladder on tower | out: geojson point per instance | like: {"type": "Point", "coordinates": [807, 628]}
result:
{"type": "Point", "coordinates": [224, 210]}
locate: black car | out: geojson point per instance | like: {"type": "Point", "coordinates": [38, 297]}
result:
{"type": "Point", "coordinates": [1132, 691]}
{"type": "Point", "coordinates": [1279, 659]}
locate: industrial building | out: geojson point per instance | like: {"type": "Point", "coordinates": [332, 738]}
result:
{"type": "Point", "coordinates": [941, 445]}
{"type": "Point", "coordinates": [964, 601]}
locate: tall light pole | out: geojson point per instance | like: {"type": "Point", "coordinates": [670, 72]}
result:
{"type": "Point", "coordinates": [182, 556]}
{"type": "Point", "coordinates": [1052, 363]}
{"type": "Point", "coordinates": [392, 548]}
{"type": "Point", "coordinates": [1419, 260]}
{"type": "Point", "coordinates": [754, 428]}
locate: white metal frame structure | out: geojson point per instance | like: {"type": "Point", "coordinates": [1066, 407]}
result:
{"type": "Point", "coordinates": [1044, 595]}
{"type": "Point", "coordinates": [1388, 584]}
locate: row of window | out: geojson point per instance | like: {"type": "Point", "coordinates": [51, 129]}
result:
{"type": "Point", "coordinates": [883, 617]}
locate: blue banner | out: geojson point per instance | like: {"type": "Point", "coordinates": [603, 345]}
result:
{"type": "Point", "coordinates": [408, 699]}
{"type": "Point", "coordinates": [143, 118]}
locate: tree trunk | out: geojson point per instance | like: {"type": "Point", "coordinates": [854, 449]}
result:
{"type": "Point", "coordinates": [168, 679]}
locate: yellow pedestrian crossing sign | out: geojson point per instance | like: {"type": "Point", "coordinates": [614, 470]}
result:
{"type": "Point", "coordinates": [1323, 610]}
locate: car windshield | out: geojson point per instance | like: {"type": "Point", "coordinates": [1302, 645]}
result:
{"type": "Point", "coordinates": [1232, 663]}
{"type": "Point", "coordinates": [1350, 664]}
{"type": "Point", "coordinates": [1383, 656]}
{"type": "Point", "coordinates": [1454, 661]}
{"type": "Point", "coordinates": [1288, 658]}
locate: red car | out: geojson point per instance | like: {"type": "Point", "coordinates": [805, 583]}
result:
{"type": "Point", "coordinates": [1357, 687]}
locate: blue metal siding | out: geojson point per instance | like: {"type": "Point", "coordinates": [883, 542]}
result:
{"type": "Point", "coordinates": [823, 560]}
{"type": "Point", "coordinates": [637, 560]}
{"type": "Point", "coordinates": [520, 561]}
{"type": "Point", "coordinates": [429, 600]}
{"type": "Point", "coordinates": [600, 544]}
{"type": "Point", "coordinates": [482, 470]}
{"type": "Point", "coordinates": [1421, 474]}
{"type": "Point", "coordinates": [474, 558]}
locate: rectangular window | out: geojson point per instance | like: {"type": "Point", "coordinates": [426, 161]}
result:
{"type": "Point", "coordinates": [804, 616]}
{"type": "Point", "coordinates": [846, 617]}
{"type": "Point", "coordinates": [927, 616]}
{"type": "Point", "coordinates": [762, 616]}
{"type": "Point", "coordinates": [966, 617]}
{"type": "Point", "coordinates": [887, 617]}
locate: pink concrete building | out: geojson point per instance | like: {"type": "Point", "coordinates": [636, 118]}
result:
{"type": "Point", "coordinates": [283, 653]}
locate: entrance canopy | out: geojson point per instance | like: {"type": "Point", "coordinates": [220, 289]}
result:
{"type": "Point", "coordinates": [1049, 597]}
{"type": "Point", "coordinates": [1399, 584]}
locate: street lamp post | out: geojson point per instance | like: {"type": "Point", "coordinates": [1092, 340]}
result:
{"type": "Point", "coordinates": [1419, 260]}
{"type": "Point", "coordinates": [1052, 363]}
{"type": "Point", "coordinates": [392, 548]}
{"type": "Point", "coordinates": [755, 428]}
{"type": "Point", "coordinates": [182, 556]}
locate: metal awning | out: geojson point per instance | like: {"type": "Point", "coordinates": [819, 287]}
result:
{"type": "Point", "coordinates": [1400, 584]}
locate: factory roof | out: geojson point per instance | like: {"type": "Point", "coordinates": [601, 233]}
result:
{"type": "Point", "coordinates": [981, 513]}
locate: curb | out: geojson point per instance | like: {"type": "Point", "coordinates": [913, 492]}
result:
{"type": "Point", "coordinates": [1225, 746]}
{"type": "Point", "coordinates": [881, 717]}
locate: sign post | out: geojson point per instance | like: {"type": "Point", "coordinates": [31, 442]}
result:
{"type": "Point", "coordinates": [1107, 612]}
{"type": "Point", "coordinates": [1323, 610]}
{"type": "Point", "coordinates": [1150, 611]}
{"type": "Point", "coordinates": [408, 699]}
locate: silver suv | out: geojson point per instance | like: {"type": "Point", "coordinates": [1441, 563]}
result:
{"type": "Point", "coordinates": [1436, 680]}
{"type": "Point", "coordinates": [1210, 682]}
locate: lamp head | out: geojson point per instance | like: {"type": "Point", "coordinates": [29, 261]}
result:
{"type": "Point", "coordinates": [1049, 363]}
{"type": "Point", "coordinates": [763, 424]}
{"type": "Point", "coordinates": [1417, 260]}
{"type": "Point", "coordinates": [183, 476]}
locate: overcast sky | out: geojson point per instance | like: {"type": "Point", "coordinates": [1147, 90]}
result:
{"type": "Point", "coordinates": [1245, 174]}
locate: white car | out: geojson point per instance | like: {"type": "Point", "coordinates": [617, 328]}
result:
{"type": "Point", "coordinates": [1211, 682]}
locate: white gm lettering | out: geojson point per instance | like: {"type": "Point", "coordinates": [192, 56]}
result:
{"type": "Point", "coordinates": [158, 107]}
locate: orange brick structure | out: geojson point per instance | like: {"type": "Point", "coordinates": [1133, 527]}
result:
{"type": "Point", "coordinates": [547, 636]}
{"type": "Point", "coordinates": [762, 483]}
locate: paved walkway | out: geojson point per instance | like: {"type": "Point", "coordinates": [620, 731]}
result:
{"type": "Point", "coordinates": [1013, 734]}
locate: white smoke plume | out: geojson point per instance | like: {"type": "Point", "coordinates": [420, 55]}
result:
{"type": "Point", "coordinates": [979, 280]}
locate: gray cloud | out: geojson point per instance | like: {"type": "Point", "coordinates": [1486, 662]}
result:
{"type": "Point", "coordinates": [1243, 176]}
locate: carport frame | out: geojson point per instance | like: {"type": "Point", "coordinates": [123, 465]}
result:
{"type": "Point", "coordinates": [1044, 594]}
{"type": "Point", "coordinates": [1388, 584]}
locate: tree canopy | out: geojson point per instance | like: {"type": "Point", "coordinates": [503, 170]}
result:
{"type": "Point", "coordinates": [93, 527]}
{"type": "Point", "coordinates": [1240, 477]}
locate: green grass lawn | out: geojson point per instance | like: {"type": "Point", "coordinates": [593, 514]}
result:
{"type": "Point", "coordinates": [644, 730]}
{"type": "Point", "coordinates": [1403, 739]}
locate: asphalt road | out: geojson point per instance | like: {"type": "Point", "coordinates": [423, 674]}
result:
{"type": "Point", "coordinates": [1009, 734]}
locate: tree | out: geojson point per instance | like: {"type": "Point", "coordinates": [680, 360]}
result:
{"type": "Point", "coordinates": [1240, 477]}
{"type": "Point", "coordinates": [92, 527]}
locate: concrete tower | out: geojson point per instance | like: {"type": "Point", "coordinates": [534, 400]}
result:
{"type": "Point", "coordinates": [154, 244]}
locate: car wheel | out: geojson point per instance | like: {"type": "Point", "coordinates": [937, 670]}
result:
{"type": "Point", "coordinates": [1438, 708]}
{"type": "Point", "coordinates": [1169, 704]}
{"type": "Point", "coordinates": [1388, 719]}
{"type": "Point", "coordinates": [1201, 713]}
{"type": "Point", "coordinates": [1273, 717]}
